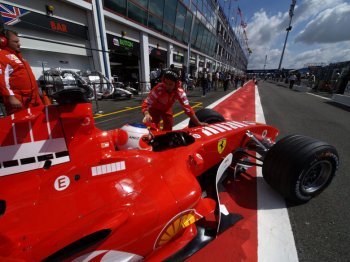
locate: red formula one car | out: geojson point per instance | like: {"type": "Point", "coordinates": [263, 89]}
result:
{"type": "Point", "coordinates": [69, 191]}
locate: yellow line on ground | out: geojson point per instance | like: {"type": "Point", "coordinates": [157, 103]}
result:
{"type": "Point", "coordinates": [198, 104]}
{"type": "Point", "coordinates": [116, 112]}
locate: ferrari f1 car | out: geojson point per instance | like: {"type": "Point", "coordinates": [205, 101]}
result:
{"type": "Point", "coordinates": [71, 192]}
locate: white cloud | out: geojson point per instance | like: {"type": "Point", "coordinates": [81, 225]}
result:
{"type": "Point", "coordinates": [324, 35]}
{"type": "Point", "coordinates": [329, 26]}
{"type": "Point", "coordinates": [310, 8]}
{"type": "Point", "coordinates": [262, 32]}
{"type": "Point", "coordinates": [330, 53]}
{"type": "Point", "coordinates": [263, 29]}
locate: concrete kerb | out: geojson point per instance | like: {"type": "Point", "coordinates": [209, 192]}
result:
{"type": "Point", "coordinates": [341, 99]}
{"type": "Point", "coordinates": [337, 98]}
{"type": "Point", "coordinates": [301, 88]}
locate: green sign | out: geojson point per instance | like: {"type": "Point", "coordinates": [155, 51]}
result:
{"type": "Point", "coordinates": [126, 43]}
{"type": "Point", "coordinates": [178, 58]}
{"type": "Point", "coordinates": [123, 46]}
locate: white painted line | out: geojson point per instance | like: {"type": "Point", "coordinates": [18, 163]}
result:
{"type": "Point", "coordinates": [275, 236]}
{"type": "Point", "coordinates": [326, 98]}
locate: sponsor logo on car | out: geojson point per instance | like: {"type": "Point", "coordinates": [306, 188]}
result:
{"type": "Point", "coordinates": [221, 145]}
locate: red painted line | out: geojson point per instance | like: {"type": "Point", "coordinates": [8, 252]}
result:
{"type": "Point", "coordinates": [239, 106]}
{"type": "Point", "coordinates": [240, 242]}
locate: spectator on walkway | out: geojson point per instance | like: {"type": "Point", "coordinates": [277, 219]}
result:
{"type": "Point", "coordinates": [342, 83]}
{"type": "Point", "coordinates": [156, 75]}
{"type": "Point", "coordinates": [210, 81]}
{"type": "Point", "coordinates": [226, 81]}
{"type": "Point", "coordinates": [184, 78]}
{"type": "Point", "coordinates": [204, 82]}
{"type": "Point", "coordinates": [311, 80]}
{"type": "Point", "coordinates": [236, 81]}
{"type": "Point", "coordinates": [216, 80]}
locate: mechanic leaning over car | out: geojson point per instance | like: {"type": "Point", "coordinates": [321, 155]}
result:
{"type": "Point", "coordinates": [18, 85]}
{"type": "Point", "coordinates": [159, 102]}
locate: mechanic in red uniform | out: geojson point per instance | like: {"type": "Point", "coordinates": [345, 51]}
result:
{"type": "Point", "coordinates": [158, 104]}
{"type": "Point", "coordinates": [18, 86]}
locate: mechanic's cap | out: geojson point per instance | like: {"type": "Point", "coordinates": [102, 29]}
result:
{"type": "Point", "coordinates": [171, 75]}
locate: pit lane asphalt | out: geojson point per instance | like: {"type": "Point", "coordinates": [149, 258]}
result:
{"type": "Point", "coordinates": [321, 227]}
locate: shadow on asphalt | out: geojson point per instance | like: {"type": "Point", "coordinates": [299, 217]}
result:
{"type": "Point", "coordinates": [189, 95]}
{"type": "Point", "coordinates": [344, 107]}
{"type": "Point", "coordinates": [238, 189]}
{"type": "Point", "coordinates": [280, 85]}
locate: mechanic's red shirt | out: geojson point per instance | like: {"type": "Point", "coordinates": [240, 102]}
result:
{"type": "Point", "coordinates": [16, 76]}
{"type": "Point", "coordinates": [161, 100]}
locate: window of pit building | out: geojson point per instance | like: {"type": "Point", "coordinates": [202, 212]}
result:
{"type": "Point", "coordinates": [156, 7]}
{"type": "Point", "coordinates": [180, 21]}
{"type": "Point", "coordinates": [187, 28]}
{"type": "Point", "coordinates": [155, 23]}
{"type": "Point", "coordinates": [169, 17]}
{"type": "Point", "coordinates": [137, 13]}
{"type": "Point", "coordinates": [116, 5]}
{"type": "Point", "coordinates": [195, 32]}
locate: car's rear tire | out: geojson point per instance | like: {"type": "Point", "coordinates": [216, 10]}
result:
{"type": "Point", "coordinates": [208, 116]}
{"type": "Point", "coordinates": [300, 167]}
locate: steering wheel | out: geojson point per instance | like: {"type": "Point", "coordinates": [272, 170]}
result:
{"type": "Point", "coordinates": [179, 139]}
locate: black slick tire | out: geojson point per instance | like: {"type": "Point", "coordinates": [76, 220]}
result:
{"type": "Point", "coordinates": [300, 167]}
{"type": "Point", "coordinates": [208, 116]}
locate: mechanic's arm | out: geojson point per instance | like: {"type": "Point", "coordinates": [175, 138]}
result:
{"type": "Point", "coordinates": [196, 121]}
{"type": "Point", "coordinates": [14, 102]}
{"type": "Point", "coordinates": [145, 107]}
{"type": "Point", "coordinates": [182, 98]}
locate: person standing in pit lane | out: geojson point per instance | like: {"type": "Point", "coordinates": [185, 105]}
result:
{"type": "Point", "coordinates": [18, 85]}
{"type": "Point", "coordinates": [159, 102]}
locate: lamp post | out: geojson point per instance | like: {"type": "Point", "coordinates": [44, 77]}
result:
{"type": "Point", "coordinates": [291, 13]}
{"type": "Point", "coordinates": [265, 66]}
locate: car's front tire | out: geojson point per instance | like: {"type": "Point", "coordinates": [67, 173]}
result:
{"type": "Point", "coordinates": [300, 167]}
{"type": "Point", "coordinates": [208, 116]}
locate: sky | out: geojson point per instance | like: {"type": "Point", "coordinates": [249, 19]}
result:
{"type": "Point", "coordinates": [320, 31]}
